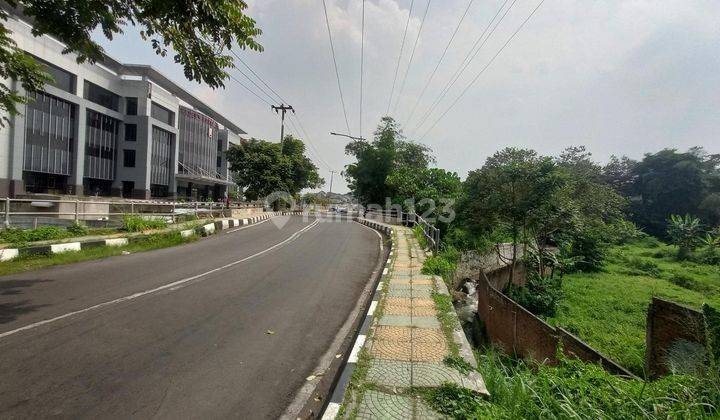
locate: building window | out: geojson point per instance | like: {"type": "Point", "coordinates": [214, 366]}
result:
{"type": "Point", "coordinates": [131, 106]}
{"type": "Point", "coordinates": [130, 132]}
{"type": "Point", "coordinates": [100, 143]}
{"type": "Point", "coordinates": [219, 161]}
{"type": "Point", "coordinates": [163, 114]}
{"type": "Point", "coordinates": [49, 135]}
{"type": "Point", "coordinates": [101, 96]}
{"type": "Point", "coordinates": [160, 157]}
{"type": "Point", "coordinates": [64, 80]}
{"type": "Point", "coordinates": [129, 158]}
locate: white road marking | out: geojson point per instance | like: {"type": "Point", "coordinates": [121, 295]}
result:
{"type": "Point", "coordinates": [172, 286]}
{"type": "Point", "coordinates": [245, 227]}
{"type": "Point", "coordinates": [331, 411]}
{"type": "Point", "coordinates": [356, 349]}
{"type": "Point", "coordinates": [376, 232]}
{"type": "Point", "coordinates": [373, 306]}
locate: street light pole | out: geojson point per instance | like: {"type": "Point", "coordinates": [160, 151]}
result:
{"type": "Point", "coordinates": [332, 174]}
{"type": "Point", "coordinates": [348, 136]}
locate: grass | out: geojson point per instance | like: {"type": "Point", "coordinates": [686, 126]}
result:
{"type": "Point", "coordinates": [447, 318]}
{"type": "Point", "coordinates": [573, 389]}
{"type": "Point", "coordinates": [608, 309]}
{"type": "Point", "coordinates": [147, 243]}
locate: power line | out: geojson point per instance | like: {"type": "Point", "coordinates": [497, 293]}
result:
{"type": "Point", "coordinates": [337, 72]}
{"type": "Point", "coordinates": [258, 76]}
{"type": "Point", "coordinates": [472, 82]}
{"type": "Point", "coordinates": [255, 84]}
{"type": "Point", "coordinates": [397, 66]}
{"type": "Point", "coordinates": [309, 141]}
{"type": "Point", "coordinates": [469, 57]}
{"type": "Point", "coordinates": [248, 89]}
{"type": "Point", "coordinates": [362, 59]}
{"type": "Point", "coordinates": [412, 54]}
{"type": "Point", "coordinates": [442, 56]}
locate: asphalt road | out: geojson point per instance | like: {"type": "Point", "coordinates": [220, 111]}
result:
{"type": "Point", "coordinates": [167, 334]}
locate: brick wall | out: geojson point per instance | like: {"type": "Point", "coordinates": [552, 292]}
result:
{"type": "Point", "coordinates": [517, 331]}
{"type": "Point", "coordinates": [667, 323]}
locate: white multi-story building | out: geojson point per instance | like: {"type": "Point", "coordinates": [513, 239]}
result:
{"type": "Point", "coordinates": [111, 129]}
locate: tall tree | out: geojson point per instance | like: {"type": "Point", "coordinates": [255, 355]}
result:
{"type": "Point", "coordinates": [376, 160]}
{"type": "Point", "coordinates": [198, 32]}
{"type": "Point", "coordinates": [261, 168]}
{"type": "Point", "coordinates": [670, 182]}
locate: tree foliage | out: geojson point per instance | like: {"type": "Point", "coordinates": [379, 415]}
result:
{"type": "Point", "coordinates": [261, 168]}
{"type": "Point", "coordinates": [379, 159]}
{"type": "Point", "coordinates": [668, 182]}
{"type": "Point", "coordinates": [198, 32]}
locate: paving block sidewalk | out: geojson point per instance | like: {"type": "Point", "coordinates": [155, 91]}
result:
{"type": "Point", "coordinates": [407, 344]}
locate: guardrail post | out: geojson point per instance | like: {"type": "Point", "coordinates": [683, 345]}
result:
{"type": "Point", "coordinates": [77, 208]}
{"type": "Point", "coordinates": [173, 212]}
{"type": "Point", "coordinates": [7, 211]}
{"type": "Point", "coordinates": [196, 209]}
{"type": "Point", "coordinates": [132, 208]}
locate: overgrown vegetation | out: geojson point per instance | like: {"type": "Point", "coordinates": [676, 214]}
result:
{"type": "Point", "coordinates": [132, 223]}
{"type": "Point", "coordinates": [608, 309]}
{"type": "Point", "coordinates": [573, 389]}
{"type": "Point", "coordinates": [20, 237]}
{"type": "Point", "coordinates": [140, 244]}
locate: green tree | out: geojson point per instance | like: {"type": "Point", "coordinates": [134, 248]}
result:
{"type": "Point", "coordinates": [376, 160]}
{"type": "Point", "coordinates": [425, 189]}
{"type": "Point", "coordinates": [261, 168]}
{"type": "Point", "coordinates": [684, 231]}
{"type": "Point", "coordinates": [199, 33]}
{"type": "Point", "coordinates": [669, 182]}
{"type": "Point", "coordinates": [515, 188]}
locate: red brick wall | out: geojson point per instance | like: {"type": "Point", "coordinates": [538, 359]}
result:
{"type": "Point", "coordinates": [668, 322]}
{"type": "Point", "coordinates": [517, 331]}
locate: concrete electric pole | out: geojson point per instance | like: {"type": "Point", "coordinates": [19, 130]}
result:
{"type": "Point", "coordinates": [284, 108]}
{"type": "Point", "coordinates": [332, 174]}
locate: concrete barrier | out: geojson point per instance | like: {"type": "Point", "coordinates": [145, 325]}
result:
{"type": "Point", "coordinates": [8, 254]}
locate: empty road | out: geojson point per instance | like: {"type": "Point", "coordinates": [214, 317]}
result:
{"type": "Point", "coordinates": [226, 327]}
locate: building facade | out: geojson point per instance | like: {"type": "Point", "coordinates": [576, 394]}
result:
{"type": "Point", "coordinates": [111, 129]}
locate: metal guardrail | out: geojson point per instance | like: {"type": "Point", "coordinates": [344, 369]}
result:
{"type": "Point", "coordinates": [431, 233]}
{"type": "Point", "coordinates": [87, 210]}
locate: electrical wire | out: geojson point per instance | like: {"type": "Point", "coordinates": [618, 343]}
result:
{"type": "Point", "coordinates": [472, 82]}
{"type": "Point", "coordinates": [337, 72]}
{"type": "Point", "coordinates": [412, 54]}
{"type": "Point", "coordinates": [362, 59]}
{"type": "Point", "coordinates": [397, 66]}
{"type": "Point", "coordinates": [469, 57]}
{"type": "Point", "coordinates": [442, 56]}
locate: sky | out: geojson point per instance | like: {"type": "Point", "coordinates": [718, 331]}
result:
{"type": "Point", "coordinates": [622, 77]}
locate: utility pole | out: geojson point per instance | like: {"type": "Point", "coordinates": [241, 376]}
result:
{"type": "Point", "coordinates": [332, 174]}
{"type": "Point", "coordinates": [284, 108]}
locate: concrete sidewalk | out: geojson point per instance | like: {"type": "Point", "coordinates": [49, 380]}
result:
{"type": "Point", "coordinates": [407, 344]}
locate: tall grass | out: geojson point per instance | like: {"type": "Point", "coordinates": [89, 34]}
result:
{"type": "Point", "coordinates": [574, 389]}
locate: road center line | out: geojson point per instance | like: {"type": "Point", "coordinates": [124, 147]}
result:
{"type": "Point", "coordinates": [160, 288]}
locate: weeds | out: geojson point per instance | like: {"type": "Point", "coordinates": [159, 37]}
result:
{"type": "Point", "coordinates": [139, 224]}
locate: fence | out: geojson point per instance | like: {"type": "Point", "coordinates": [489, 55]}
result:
{"type": "Point", "coordinates": [394, 216]}
{"type": "Point", "coordinates": [32, 212]}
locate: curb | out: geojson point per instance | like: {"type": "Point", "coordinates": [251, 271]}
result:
{"type": "Point", "coordinates": [8, 254]}
{"type": "Point", "coordinates": [338, 392]}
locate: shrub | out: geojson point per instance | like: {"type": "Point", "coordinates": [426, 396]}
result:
{"type": "Point", "coordinates": [77, 229]}
{"type": "Point", "coordinates": [684, 231]}
{"type": "Point", "coordinates": [687, 282]}
{"type": "Point", "coordinates": [45, 233]}
{"type": "Point", "coordinates": [638, 266]}
{"type": "Point", "coordinates": [587, 248]}
{"type": "Point", "coordinates": [139, 224]}
{"type": "Point", "coordinates": [624, 231]}
{"type": "Point", "coordinates": [540, 295]}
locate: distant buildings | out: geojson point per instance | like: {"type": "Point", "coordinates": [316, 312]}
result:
{"type": "Point", "coordinates": [112, 129]}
